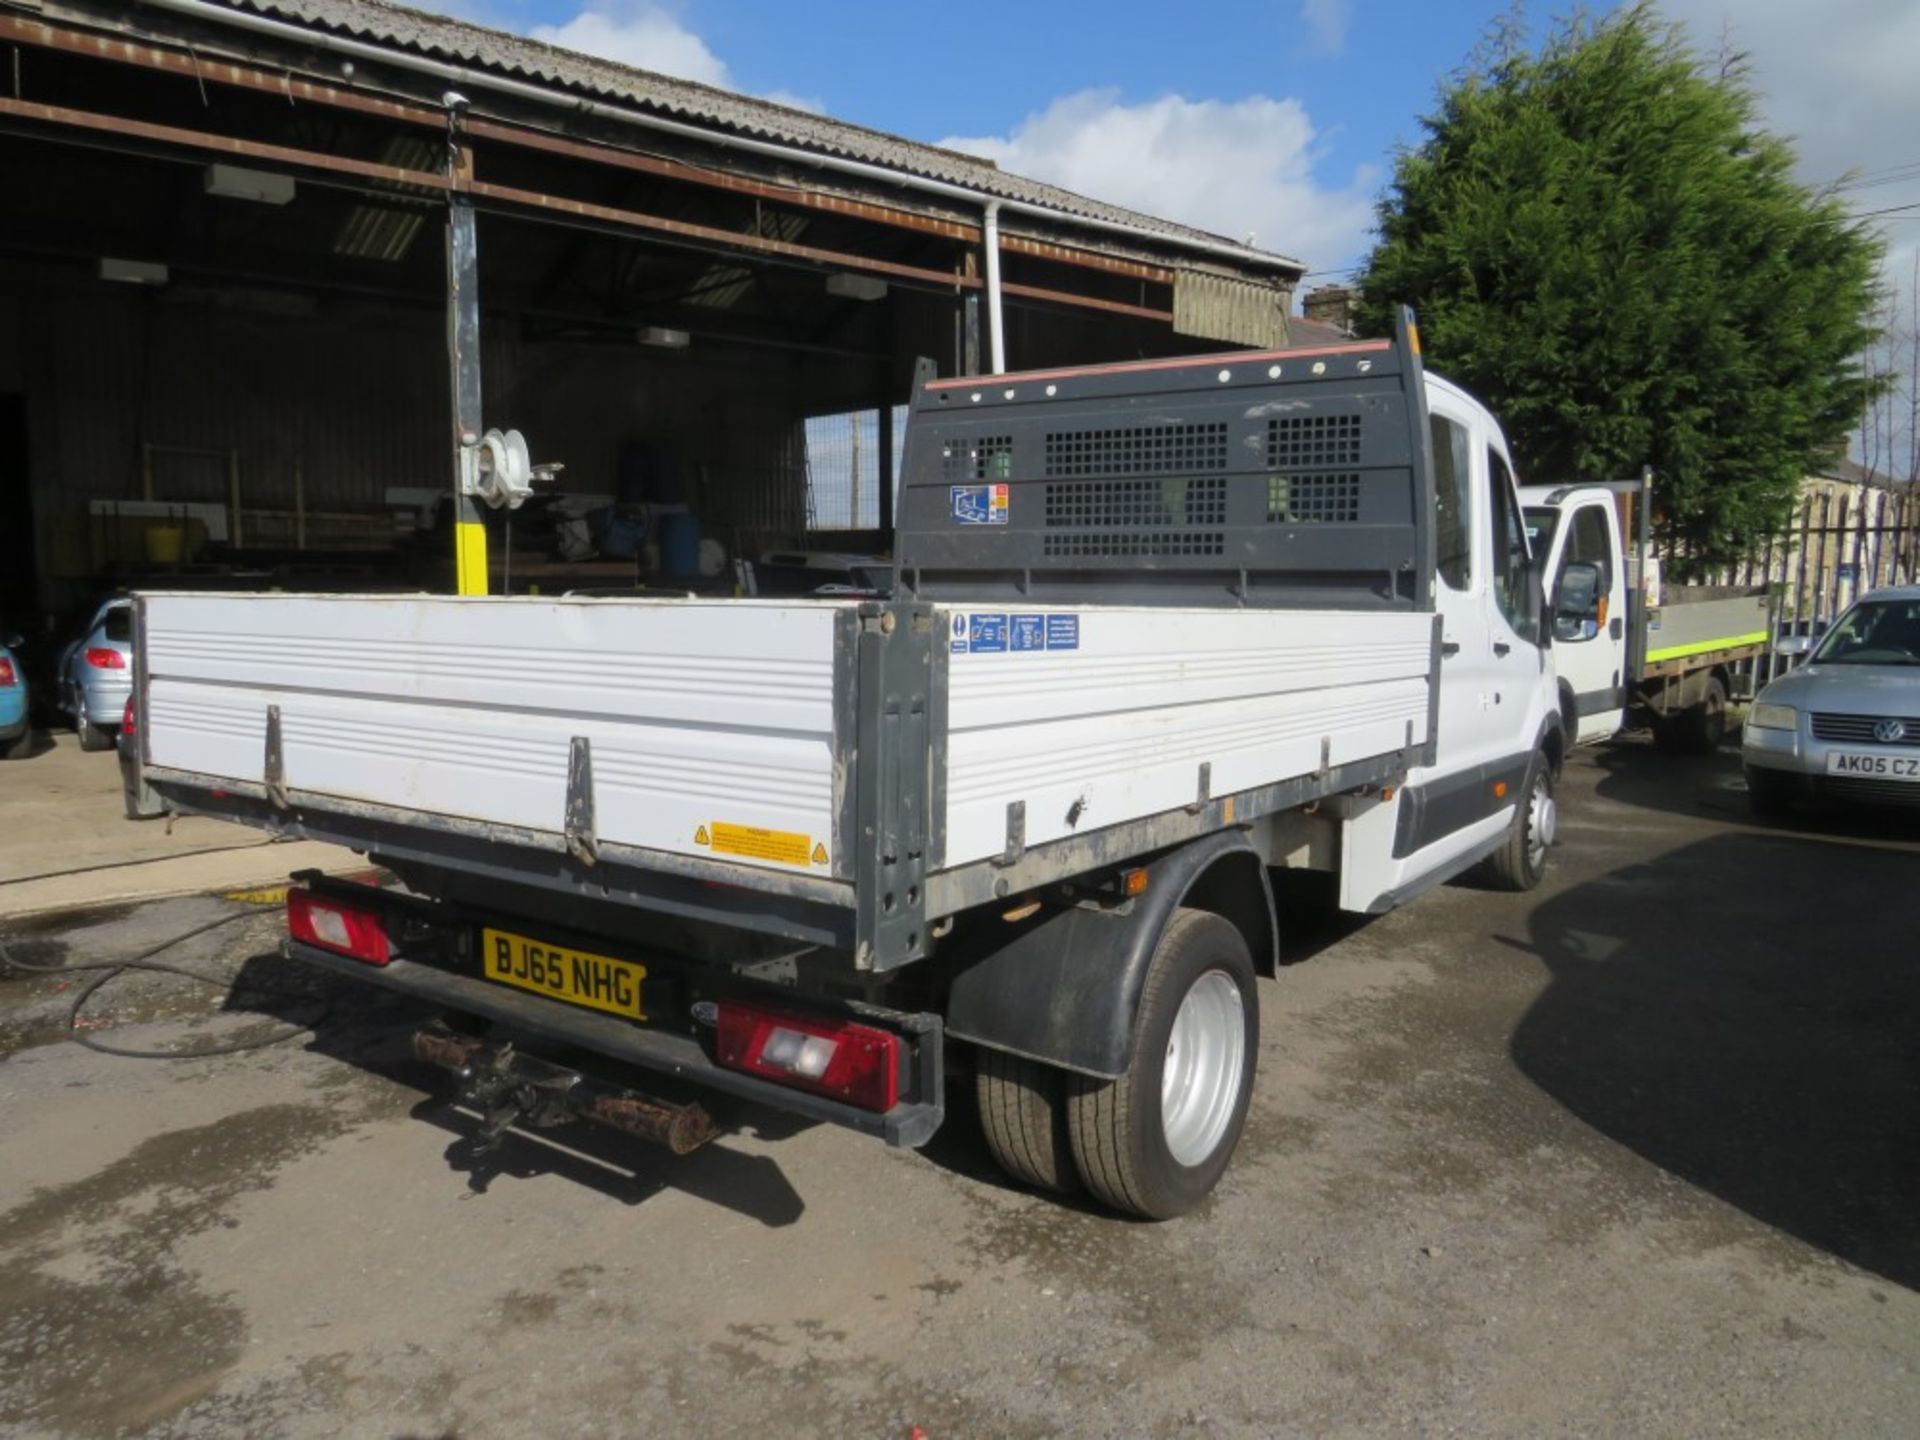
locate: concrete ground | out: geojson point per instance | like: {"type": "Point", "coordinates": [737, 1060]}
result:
{"type": "Point", "coordinates": [1634, 1154]}
{"type": "Point", "coordinates": [65, 840]}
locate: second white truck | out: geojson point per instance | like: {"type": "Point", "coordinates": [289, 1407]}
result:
{"type": "Point", "coordinates": [1158, 629]}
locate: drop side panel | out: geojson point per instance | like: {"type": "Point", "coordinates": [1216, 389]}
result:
{"type": "Point", "coordinates": [1116, 726]}
{"type": "Point", "coordinates": [701, 715]}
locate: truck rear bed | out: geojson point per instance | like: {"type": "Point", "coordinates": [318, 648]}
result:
{"type": "Point", "coordinates": [730, 740]}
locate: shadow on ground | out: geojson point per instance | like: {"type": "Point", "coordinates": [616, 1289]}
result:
{"type": "Point", "coordinates": [1633, 771]}
{"type": "Point", "coordinates": [1743, 1013]}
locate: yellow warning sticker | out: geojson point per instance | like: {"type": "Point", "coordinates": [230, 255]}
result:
{"type": "Point", "coordinates": [750, 842]}
{"type": "Point", "coordinates": [819, 854]}
{"type": "Point", "coordinates": [700, 836]}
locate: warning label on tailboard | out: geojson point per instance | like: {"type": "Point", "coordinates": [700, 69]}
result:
{"type": "Point", "coordinates": [750, 842]}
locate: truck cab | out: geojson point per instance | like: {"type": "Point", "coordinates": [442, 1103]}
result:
{"type": "Point", "coordinates": [1499, 734]}
{"type": "Point", "coordinates": [1629, 645]}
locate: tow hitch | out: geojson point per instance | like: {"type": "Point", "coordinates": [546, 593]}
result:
{"type": "Point", "coordinates": [509, 1088]}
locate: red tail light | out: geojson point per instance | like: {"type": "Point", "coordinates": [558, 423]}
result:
{"type": "Point", "coordinates": [102, 658]}
{"type": "Point", "coordinates": [835, 1058]}
{"type": "Point", "coordinates": [334, 925]}
{"type": "Point", "coordinates": [128, 724]}
{"type": "Point", "coordinates": [7, 676]}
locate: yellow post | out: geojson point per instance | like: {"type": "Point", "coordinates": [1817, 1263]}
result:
{"type": "Point", "coordinates": [470, 556]}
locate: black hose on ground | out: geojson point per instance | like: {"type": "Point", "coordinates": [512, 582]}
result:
{"type": "Point", "coordinates": [111, 970]}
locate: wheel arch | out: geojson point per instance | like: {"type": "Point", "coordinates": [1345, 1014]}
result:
{"type": "Point", "coordinates": [1065, 988]}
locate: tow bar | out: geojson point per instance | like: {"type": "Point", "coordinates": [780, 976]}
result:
{"type": "Point", "coordinates": [507, 1088]}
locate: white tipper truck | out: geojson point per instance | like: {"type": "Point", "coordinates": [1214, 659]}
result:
{"type": "Point", "coordinates": [1158, 629]}
{"type": "Point", "coordinates": [1626, 642]}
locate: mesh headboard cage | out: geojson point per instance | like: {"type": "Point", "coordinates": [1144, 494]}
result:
{"type": "Point", "coordinates": [1295, 477]}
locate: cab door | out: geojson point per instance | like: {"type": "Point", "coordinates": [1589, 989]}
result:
{"type": "Point", "coordinates": [1589, 648]}
{"type": "Point", "coordinates": [1450, 808]}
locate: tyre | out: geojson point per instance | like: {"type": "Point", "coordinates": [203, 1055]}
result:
{"type": "Point", "coordinates": [1023, 1117]}
{"type": "Point", "coordinates": [93, 738]}
{"type": "Point", "coordinates": [1769, 796]}
{"type": "Point", "coordinates": [1698, 729]}
{"type": "Point", "coordinates": [1521, 861]}
{"type": "Point", "coordinates": [1155, 1141]}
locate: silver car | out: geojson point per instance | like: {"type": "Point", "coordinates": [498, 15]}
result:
{"type": "Point", "coordinates": [96, 675]}
{"type": "Point", "coordinates": [1845, 726]}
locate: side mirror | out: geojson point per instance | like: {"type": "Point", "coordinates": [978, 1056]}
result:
{"type": "Point", "coordinates": [12, 640]}
{"type": "Point", "coordinates": [1792, 647]}
{"type": "Point", "coordinates": [1576, 601]}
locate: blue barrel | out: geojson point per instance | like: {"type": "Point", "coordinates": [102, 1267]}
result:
{"type": "Point", "coordinates": [680, 545]}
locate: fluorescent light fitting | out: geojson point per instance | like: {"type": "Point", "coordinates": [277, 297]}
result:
{"type": "Point", "coordinates": [665, 338]}
{"type": "Point", "coordinates": [856, 287]}
{"type": "Point", "coordinates": [133, 272]}
{"type": "Point", "coordinates": [233, 182]}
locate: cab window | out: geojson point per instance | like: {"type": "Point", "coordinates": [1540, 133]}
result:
{"type": "Point", "coordinates": [1510, 578]}
{"type": "Point", "coordinates": [1452, 493]}
{"type": "Point", "coordinates": [1588, 541]}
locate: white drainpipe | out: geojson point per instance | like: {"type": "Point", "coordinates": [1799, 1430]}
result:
{"type": "Point", "coordinates": [479, 79]}
{"type": "Point", "coordinates": [996, 334]}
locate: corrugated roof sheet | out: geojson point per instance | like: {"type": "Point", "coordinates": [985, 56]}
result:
{"type": "Point", "coordinates": [457, 41]}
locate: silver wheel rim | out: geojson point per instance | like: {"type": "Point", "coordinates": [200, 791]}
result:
{"type": "Point", "coordinates": [1542, 818]}
{"type": "Point", "coordinates": [1200, 1082]}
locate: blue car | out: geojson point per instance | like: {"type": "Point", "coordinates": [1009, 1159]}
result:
{"type": "Point", "coordinates": [14, 738]}
{"type": "Point", "coordinates": [96, 674]}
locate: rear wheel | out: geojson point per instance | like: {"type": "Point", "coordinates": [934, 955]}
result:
{"type": "Point", "coordinates": [1698, 729]}
{"type": "Point", "coordinates": [1521, 861]}
{"type": "Point", "coordinates": [1155, 1141]}
{"type": "Point", "coordinates": [1022, 1116]}
{"type": "Point", "coordinates": [93, 738]}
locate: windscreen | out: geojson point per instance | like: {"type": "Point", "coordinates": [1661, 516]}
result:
{"type": "Point", "coordinates": [1874, 632]}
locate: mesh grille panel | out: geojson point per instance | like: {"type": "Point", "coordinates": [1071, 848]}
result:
{"type": "Point", "coordinates": [1138, 450]}
{"type": "Point", "coordinates": [1309, 442]}
{"type": "Point", "coordinates": [1136, 502]}
{"type": "Point", "coordinates": [981, 457]}
{"type": "Point", "coordinates": [1134, 544]}
{"type": "Point", "coordinates": [1313, 499]}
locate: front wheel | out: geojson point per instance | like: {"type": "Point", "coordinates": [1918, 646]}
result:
{"type": "Point", "coordinates": [1521, 861]}
{"type": "Point", "coordinates": [1155, 1141]}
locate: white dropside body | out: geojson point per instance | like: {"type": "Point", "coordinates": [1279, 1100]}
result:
{"type": "Point", "coordinates": [712, 723]}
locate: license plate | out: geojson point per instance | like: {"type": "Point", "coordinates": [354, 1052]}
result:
{"type": "Point", "coordinates": [1875, 767]}
{"type": "Point", "coordinates": [597, 981]}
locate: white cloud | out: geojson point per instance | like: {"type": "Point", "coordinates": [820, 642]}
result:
{"type": "Point", "coordinates": [1325, 22]}
{"type": "Point", "coordinates": [1234, 167]}
{"type": "Point", "coordinates": [634, 32]}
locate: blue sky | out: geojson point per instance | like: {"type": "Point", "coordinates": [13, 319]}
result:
{"type": "Point", "coordinates": [1276, 118]}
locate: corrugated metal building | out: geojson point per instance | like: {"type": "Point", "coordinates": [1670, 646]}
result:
{"type": "Point", "coordinates": [225, 284]}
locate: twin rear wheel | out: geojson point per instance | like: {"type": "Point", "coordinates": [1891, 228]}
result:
{"type": "Point", "coordinates": [1155, 1140]}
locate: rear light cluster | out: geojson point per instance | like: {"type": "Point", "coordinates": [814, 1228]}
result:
{"type": "Point", "coordinates": [129, 724]}
{"type": "Point", "coordinates": [836, 1058]}
{"type": "Point", "coordinates": [102, 658]}
{"type": "Point", "coordinates": [7, 675]}
{"type": "Point", "coordinates": [330, 924]}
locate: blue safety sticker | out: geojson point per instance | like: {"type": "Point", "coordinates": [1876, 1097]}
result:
{"type": "Point", "coordinates": [980, 504]}
{"type": "Point", "coordinates": [1063, 632]}
{"type": "Point", "coordinates": [959, 644]}
{"type": "Point", "coordinates": [1027, 632]}
{"type": "Point", "coordinates": [987, 634]}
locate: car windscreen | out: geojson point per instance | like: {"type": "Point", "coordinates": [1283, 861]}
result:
{"type": "Point", "coordinates": [118, 624]}
{"type": "Point", "coordinates": [1874, 632]}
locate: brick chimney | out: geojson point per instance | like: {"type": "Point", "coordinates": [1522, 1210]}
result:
{"type": "Point", "coordinates": [1331, 305]}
